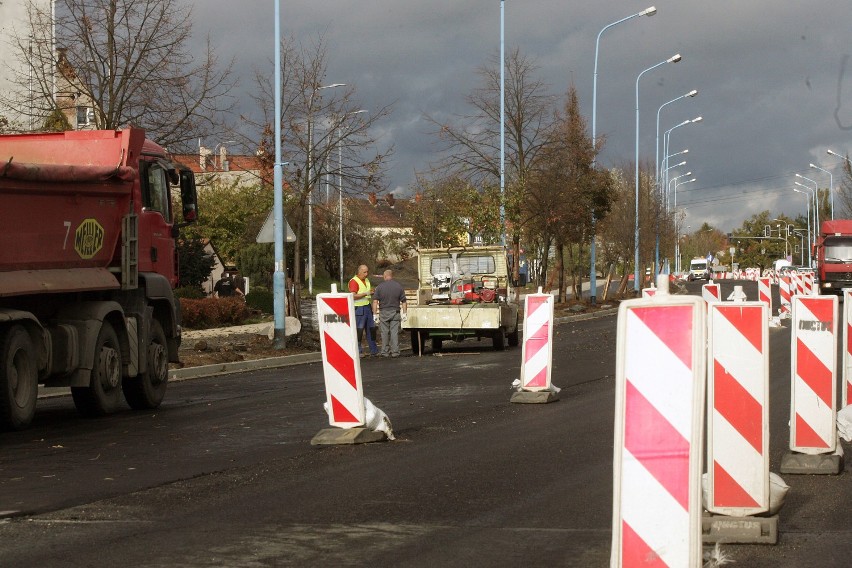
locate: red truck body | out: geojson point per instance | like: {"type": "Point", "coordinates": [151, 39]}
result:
{"type": "Point", "coordinates": [87, 268]}
{"type": "Point", "coordinates": [834, 256]}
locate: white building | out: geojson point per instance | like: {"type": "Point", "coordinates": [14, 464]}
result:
{"type": "Point", "coordinates": [14, 24]}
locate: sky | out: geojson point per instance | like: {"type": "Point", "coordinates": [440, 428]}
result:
{"type": "Point", "coordinates": [774, 79]}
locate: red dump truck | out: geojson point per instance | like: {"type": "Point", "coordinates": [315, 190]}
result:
{"type": "Point", "coordinates": [833, 251]}
{"type": "Point", "coordinates": [87, 268]}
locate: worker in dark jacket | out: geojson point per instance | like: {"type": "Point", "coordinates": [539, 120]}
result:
{"type": "Point", "coordinates": [390, 310]}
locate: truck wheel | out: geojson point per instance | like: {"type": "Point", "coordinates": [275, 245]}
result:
{"type": "Point", "coordinates": [18, 379]}
{"type": "Point", "coordinates": [514, 338]}
{"type": "Point", "coordinates": [148, 389]}
{"type": "Point", "coordinates": [103, 395]}
{"type": "Point", "coordinates": [499, 339]}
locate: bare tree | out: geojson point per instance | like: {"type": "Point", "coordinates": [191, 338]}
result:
{"type": "Point", "coordinates": [128, 61]}
{"type": "Point", "coordinates": [323, 132]}
{"type": "Point", "coordinates": [473, 145]}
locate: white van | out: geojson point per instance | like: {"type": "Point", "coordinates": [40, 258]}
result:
{"type": "Point", "coordinates": [698, 270]}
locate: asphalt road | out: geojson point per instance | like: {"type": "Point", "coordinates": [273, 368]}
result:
{"type": "Point", "coordinates": [224, 475]}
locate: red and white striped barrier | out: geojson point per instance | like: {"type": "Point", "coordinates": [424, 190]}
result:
{"type": "Point", "coordinates": [711, 292]}
{"type": "Point", "coordinates": [738, 409]}
{"type": "Point", "coordinates": [846, 390]}
{"type": "Point", "coordinates": [808, 283]}
{"type": "Point", "coordinates": [784, 293]}
{"type": "Point", "coordinates": [798, 287]}
{"type": "Point", "coordinates": [537, 350]}
{"type": "Point", "coordinates": [340, 362]}
{"type": "Point", "coordinates": [660, 373]}
{"type": "Point", "coordinates": [648, 292]}
{"type": "Point", "coordinates": [764, 291]}
{"type": "Point", "coordinates": [814, 375]}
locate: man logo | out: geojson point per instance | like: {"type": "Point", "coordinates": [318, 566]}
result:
{"type": "Point", "coordinates": [89, 238]}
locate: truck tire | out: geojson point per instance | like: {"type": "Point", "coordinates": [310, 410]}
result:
{"type": "Point", "coordinates": [18, 379]}
{"type": "Point", "coordinates": [103, 395]}
{"type": "Point", "coordinates": [147, 389]}
{"type": "Point", "coordinates": [499, 339]}
{"type": "Point", "coordinates": [514, 338]}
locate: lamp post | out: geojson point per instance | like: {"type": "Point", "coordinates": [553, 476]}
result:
{"type": "Point", "coordinates": [815, 190]}
{"type": "Point", "coordinates": [816, 201]}
{"type": "Point", "coordinates": [650, 11]}
{"type": "Point", "coordinates": [674, 179]}
{"type": "Point", "coordinates": [669, 189]}
{"type": "Point", "coordinates": [279, 276]}
{"type": "Point", "coordinates": [503, 130]}
{"type": "Point", "coordinates": [340, 189]}
{"type": "Point", "coordinates": [216, 151]}
{"type": "Point", "coordinates": [636, 285]}
{"type": "Point", "coordinates": [691, 93]}
{"type": "Point", "coordinates": [667, 140]}
{"type": "Point", "coordinates": [664, 188]}
{"type": "Point", "coordinates": [808, 210]}
{"type": "Point", "coordinates": [830, 186]}
{"type": "Point", "coordinates": [310, 182]}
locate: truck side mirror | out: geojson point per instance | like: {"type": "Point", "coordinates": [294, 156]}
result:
{"type": "Point", "coordinates": [188, 197]}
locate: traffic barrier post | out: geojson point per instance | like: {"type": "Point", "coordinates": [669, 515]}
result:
{"type": "Point", "coordinates": [784, 291]}
{"type": "Point", "coordinates": [537, 351]}
{"type": "Point", "coordinates": [764, 291]}
{"type": "Point", "coordinates": [813, 410]}
{"type": "Point", "coordinates": [738, 424]}
{"type": "Point", "coordinates": [660, 374]}
{"type": "Point", "coordinates": [342, 371]}
{"type": "Point", "coordinates": [711, 292]}
{"type": "Point", "coordinates": [846, 369]}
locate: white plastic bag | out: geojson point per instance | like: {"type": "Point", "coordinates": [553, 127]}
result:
{"type": "Point", "coordinates": [844, 422]}
{"type": "Point", "coordinates": [376, 420]}
{"type": "Point", "coordinates": [777, 492]}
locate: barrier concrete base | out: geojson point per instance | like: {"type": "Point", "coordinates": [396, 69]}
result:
{"type": "Point", "coordinates": [534, 397]}
{"type": "Point", "coordinates": [725, 529]}
{"type": "Point", "coordinates": [337, 436]}
{"type": "Point", "coordinates": [806, 464]}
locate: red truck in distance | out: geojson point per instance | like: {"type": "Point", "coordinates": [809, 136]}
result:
{"type": "Point", "coordinates": [87, 268]}
{"type": "Point", "coordinates": [833, 252]}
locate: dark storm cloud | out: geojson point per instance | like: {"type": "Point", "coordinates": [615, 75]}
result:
{"type": "Point", "coordinates": [773, 78]}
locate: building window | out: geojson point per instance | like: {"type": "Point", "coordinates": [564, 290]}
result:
{"type": "Point", "coordinates": [84, 116]}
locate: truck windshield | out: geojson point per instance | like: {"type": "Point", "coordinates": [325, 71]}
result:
{"type": "Point", "coordinates": [466, 265]}
{"type": "Point", "coordinates": [838, 249]}
{"type": "Point", "coordinates": [699, 266]}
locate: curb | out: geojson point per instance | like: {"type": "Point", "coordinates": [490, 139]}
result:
{"type": "Point", "coordinates": [204, 371]}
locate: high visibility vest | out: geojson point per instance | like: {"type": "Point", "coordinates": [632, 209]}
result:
{"type": "Point", "coordinates": [363, 287]}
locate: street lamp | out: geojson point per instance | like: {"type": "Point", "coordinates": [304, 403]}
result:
{"type": "Point", "coordinates": [674, 179]}
{"type": "Point", "coordinates": [669, 189]}
{"type": "Point", "coordinates": [310, 182]}
{"type": "Point", "coordinates": [830, 186]}
{"type": "Point", "coordinates": [667, 140]}
{"type": "Point", "coordinates": [636, 284]}
{"type": "Point", "coordinates": [816, 201]}
{"type": "Point", "coordinates": [340, 188]}
{"type": "Point", "coordinates": [216, 151]}
{"type": "Point", "coordinates": [808, 210]}
{"type": "Point", "coordinates": [279, 275]}
{"type": "Point", "coordinates": [691, 93]}
{"type": "Point", "coordinates": [650, 11]}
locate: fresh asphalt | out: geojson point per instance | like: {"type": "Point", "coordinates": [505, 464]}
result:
{"type": "Point", "coordinates": [224, 475]}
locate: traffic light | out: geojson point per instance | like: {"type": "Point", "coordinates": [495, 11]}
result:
{"type": "Point", "coordinates": [767, 231]}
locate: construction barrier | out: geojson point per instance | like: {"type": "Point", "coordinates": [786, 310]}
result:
{"type": "Point", "coordinates": [814, 375]}
{"type": "Point", "coordinates": [784, 292]}
{"type": "Point", "coordinates": [659, 413]}
{"type": "Point", "coordinates": [764, 291]}
{"type": "Point", "coordinates": [846, 369]}
{"type": "Point", "coordinates": [738, 409]}
{"type": "Point", "coordinates": [340, 361]}
{"type": "Point", "coordinates": [711, 292]}
{"type": "Point", "coordinates": [648, 292]}
{"type": "Point", "coordinates": [537, 350]}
